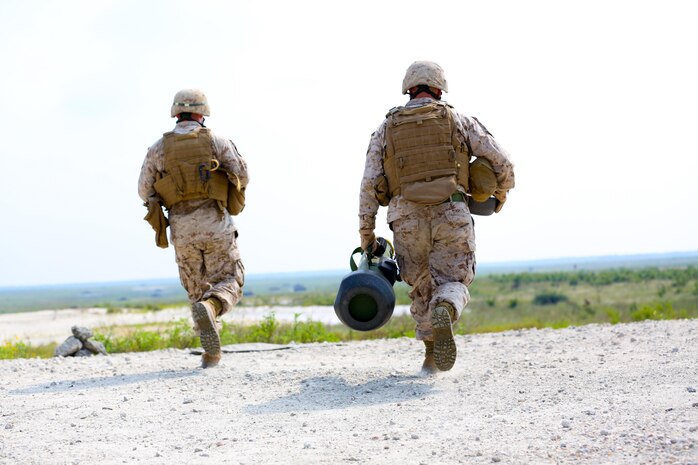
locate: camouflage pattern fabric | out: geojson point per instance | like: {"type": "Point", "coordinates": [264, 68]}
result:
{"type": "Point", "coordinates": [435, 250]}
{"type": "Point", "coordinates": [212, 268]}
{"type": "Point", "coordinates": [203, 234]}
{"type": "Point", "coordinates": [434, 245]}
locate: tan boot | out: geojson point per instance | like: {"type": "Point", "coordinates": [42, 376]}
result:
{"type": "Point", "coordinates": [444, 344]}
{"type": "Point", "coordinates": [210, 361]}
{"type": "Point", "coordinates": [204, 314]}
{"type": "Point", "coordinates": [429, 366]}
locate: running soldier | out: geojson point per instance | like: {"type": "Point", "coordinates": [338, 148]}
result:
{"type": "Point", "coordinates": [417, 165]}
{"type": "Point", "coordinates": [200, 178]}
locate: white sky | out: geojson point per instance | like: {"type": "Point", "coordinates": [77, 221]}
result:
{"type": "Point", "coordinates": [596, 102]}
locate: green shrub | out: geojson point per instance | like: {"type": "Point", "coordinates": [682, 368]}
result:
{"type": "Point", "coordinates": [265, 330]}
{"type": "Point", "coordinates": [549, 298]}
{"type": "Point", "coordinates": [613, 315]}
{"type": "Point", "coordinates": [11, 350]}
{"type": "Point", "coordinates": [661, 311]}
{"type": "Point", "coordinates": [178, 335]}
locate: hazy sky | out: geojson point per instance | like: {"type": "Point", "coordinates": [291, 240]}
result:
{"type": "Point", "coordinates": [595, 101]}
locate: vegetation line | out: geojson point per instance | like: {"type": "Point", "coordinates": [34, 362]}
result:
{"type": "Point", "coordinates": [499, 303]}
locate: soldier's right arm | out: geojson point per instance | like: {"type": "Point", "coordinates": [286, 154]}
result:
{"type": "Point", "coordinates": [152, 164]}
{"type": "Point", "coordinates": [373, 172]}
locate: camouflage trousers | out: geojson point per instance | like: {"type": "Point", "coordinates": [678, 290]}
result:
{"type": "Point", "coordinates": [435, 250]}
{"type": "Point", "coordinates": [212, 268]}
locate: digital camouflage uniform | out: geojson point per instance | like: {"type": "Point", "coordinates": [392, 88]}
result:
{"type": "Point", "coordinates": [203, 233]}
{"type": "Point", "coordinates": [434, 244]}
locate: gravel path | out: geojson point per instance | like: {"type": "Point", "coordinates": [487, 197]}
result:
{"type": "Point", "coordinates": [599, 394]}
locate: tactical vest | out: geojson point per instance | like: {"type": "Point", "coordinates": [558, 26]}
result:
{"type": "Point", "coordinates": [423, 159]}
{"type": "Point", "coordinates": [190, 170]}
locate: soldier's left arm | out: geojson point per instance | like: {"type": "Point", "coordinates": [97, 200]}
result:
{"type": "Point", "coordinates": [230, 159]}
{"type": "Point", "coordinates": [483, 144]}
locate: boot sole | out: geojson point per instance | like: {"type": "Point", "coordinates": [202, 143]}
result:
{"type": "Point", "coordinates": [210, 341]}
{"type": "Point", "coordinates": [444, 344]}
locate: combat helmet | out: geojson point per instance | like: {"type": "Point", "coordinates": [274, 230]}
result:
{"type": "Point", "coordinates": [190, 101]}
{"type": "Point", "coordinates": [425, 73]}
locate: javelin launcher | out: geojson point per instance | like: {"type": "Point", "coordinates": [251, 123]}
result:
{"type": "Point", "coordinates": [366, 299]}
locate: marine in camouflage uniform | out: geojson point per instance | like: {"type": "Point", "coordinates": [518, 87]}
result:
{"type": "Point", "coordinates": [434, 242]}
{"type": "Point", "coordinates": [201, 229]}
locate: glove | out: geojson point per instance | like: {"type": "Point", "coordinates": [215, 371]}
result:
{"type": "Point", "coordinates": [501, 197]}
{"type": "Point", "coordinates": [379, 247]}
{"type": "Point", "coordinates": [368, 239]}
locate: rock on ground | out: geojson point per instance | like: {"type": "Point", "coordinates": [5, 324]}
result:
{"type": "Point", "coordinates": [598, 394]}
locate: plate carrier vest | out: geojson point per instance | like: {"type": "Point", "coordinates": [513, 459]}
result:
{"type": "Point", "coordinates": [190, 169]}
{"type": "Point", "coordinates": [423, 159]}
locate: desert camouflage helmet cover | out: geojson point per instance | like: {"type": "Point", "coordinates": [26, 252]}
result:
{"type": "Point", "coordinates": [190, 101]}
{"type": "Point", "coordinates": [424, 73]}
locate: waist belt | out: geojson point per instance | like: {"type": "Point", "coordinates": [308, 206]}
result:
{"type": "Point", "coordinates": [457, 197]}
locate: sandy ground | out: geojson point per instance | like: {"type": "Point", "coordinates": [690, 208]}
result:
{"type": "Point", "coordinates": [599, 394]}
{"type": "Point", "coordinates": [47, 326]}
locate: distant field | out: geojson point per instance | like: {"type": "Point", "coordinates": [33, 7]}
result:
{"type": "Point", "coordinates": [319, 288]}
{"type": "Point", "coordinates": [499, 301]}
{"type": "Point", "coordinates": [156, 294]}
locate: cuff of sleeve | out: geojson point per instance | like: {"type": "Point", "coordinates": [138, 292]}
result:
{"type": "Point", "coordinates": [367, 223]}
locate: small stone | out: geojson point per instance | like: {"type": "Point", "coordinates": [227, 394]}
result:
{"type": "Point", "coordinates": [81, 333]}
{"type": "Point", "coordinates": [95, 347]}
{"type": "Point", "coordinates": [604, 432]}
{"type": "Point", "coordinates": [414, 436]}
{"type": "Point", "coordinates": [69, 347]}
{"type": "Point", "coordinates": [188, 401]}
{"type": "Point", "coordinates": [691, 389]}
{"type": "Point", "coordinates": [565, 424]}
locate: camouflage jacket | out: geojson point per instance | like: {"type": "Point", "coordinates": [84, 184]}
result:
{"type": "Point", "coordinates": [468, 129]}
{"type": "Point", "coordinates": [194, 220]}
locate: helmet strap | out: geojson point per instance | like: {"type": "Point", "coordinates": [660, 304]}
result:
{"type": "Point", "coordinates": [424, 88]}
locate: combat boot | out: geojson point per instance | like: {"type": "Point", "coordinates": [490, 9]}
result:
{"type": "Point", "coordinates": [429, 366]}
{"type": "Point", "coordinates": [444, 345]}
{"type": "Point", "coordinates": [205, 313]}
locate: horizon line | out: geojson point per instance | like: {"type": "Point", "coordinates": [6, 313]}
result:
{"type": "Point", "coordinates": [493, 264]}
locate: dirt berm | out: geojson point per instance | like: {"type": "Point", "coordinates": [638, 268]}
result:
{"type": "Point", "coordinates": [599, 394]}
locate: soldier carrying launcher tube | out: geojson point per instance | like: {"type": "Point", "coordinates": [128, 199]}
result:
{"type": "Point", "coordinates": [417, 165]}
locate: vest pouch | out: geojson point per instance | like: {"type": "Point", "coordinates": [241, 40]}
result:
{"type": "Point", "coordinates": [236, 200]}
{"type": "Point", "coordinates": [382, 192]}
{"type": "Point", "coordinates": [482, 182]}
{"type": "Point", "coordinates": [429, 192]}
{"type": "Point", "coordinates": [167, 190]}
